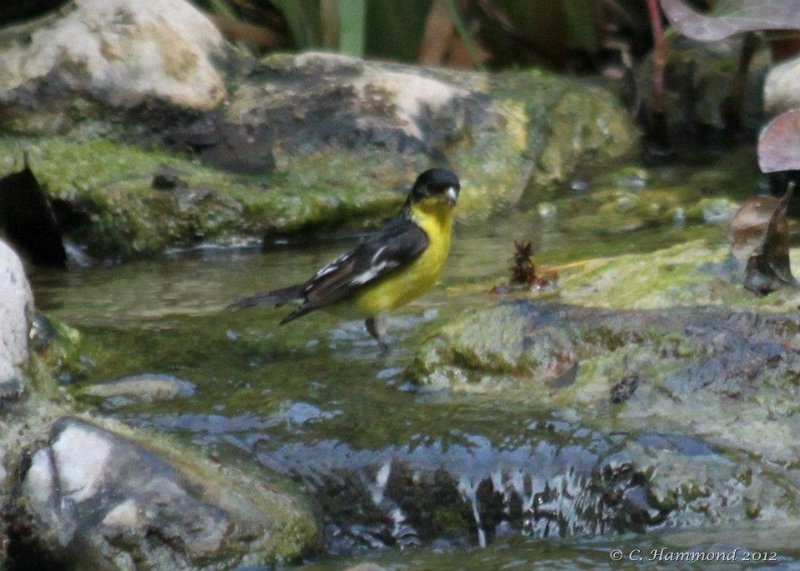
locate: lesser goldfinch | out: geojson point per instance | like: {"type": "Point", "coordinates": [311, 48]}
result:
{"type": "Point", "coordinates": [389, 268]}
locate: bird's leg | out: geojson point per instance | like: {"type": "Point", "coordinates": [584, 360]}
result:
{"type": "Point", "coordinates": [377, 328]}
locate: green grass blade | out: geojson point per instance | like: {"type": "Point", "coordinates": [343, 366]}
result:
{"type": "Point", "coordinates": [352, 27]}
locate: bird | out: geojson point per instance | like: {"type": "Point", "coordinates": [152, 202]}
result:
{"type": "Point", "coordinates": [388, 269]}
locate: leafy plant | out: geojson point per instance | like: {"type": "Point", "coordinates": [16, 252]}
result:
{"type": "Point", "coordinates": [458, 33]}
{"type": "Point", "coordinates": [779, 143]}
{"type": "Point", "coordinates": [759, 232]}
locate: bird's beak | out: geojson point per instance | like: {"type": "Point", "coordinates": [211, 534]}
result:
{"type": "Point", "coordinates": [451, 194]}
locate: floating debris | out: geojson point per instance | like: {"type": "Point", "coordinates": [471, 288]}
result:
{"type": "Point", "coordinates": [524, 273]}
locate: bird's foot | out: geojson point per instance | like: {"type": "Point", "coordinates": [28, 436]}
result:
{"type": "Point", "coordinates": [377, 328]}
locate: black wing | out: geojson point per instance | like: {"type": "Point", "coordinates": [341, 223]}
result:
{"type": "Point", "coordinates": [395, 246]}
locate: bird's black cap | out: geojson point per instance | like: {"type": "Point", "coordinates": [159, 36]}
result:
{"type": "Point", "coordinates": [433, 182]}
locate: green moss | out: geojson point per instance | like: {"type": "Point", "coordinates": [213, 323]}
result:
{"type": "Point", "coordinates": [693, 273]}
{"type": "Point", "coordinates": [110, 184]}
{"type": "Point", "coordinates": [59, 348]}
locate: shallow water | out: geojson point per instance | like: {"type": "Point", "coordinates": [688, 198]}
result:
{"type": "Point", "coordinates": [315, 400]}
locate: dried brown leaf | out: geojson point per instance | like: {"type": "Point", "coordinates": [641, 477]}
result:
{"type": "Point", "coordinates": [759, 237]}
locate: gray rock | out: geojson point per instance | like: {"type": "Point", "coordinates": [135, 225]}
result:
{"type": "Point", "coordinates": [145, 388]}
{"type": "Point", "coordinates": [86, 469]}
{"type": "Point", "coordinates": [331, 139]}
{"type": "Point", "coordinates": [16, 311]}
{"type": "Point", "coordinates": [93, 496]}
{"type": "Point", "coordinates": [120, 53]}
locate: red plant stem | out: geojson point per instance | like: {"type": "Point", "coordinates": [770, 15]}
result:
{"type": "Point", "coordinates": [659, 57]}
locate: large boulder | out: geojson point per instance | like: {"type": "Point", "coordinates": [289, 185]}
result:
{"type": "Point", "coordinates": [502, 133]}
{"type": "Point", "coordinates": [111, 53]}
{"type": "Point", "coordinates": [551, 478]}
{"type": "Point", "coordinates": [96, 498]}
{"type": "Point", "coordinates": [16, 312]}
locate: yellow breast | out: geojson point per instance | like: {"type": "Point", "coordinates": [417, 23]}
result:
{"type": "Point", "coordinates": [408, 283]}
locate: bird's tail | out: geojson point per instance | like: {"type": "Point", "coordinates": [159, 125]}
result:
{"type": "Point", "coordinates": [273, 298]}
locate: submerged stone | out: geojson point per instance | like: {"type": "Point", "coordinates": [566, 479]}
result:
{"type": "Point", "coordinates": [701, 369]}
{"type": "Point", "coordinates": [551, 480]}
{"type": "Point", "coordinates": [144, 388]}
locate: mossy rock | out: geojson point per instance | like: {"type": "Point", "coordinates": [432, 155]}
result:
{"type": "Point", "coordinates": [106, 190]}
{"type": "Point", "coordinates": [315, 141]}
{"type": "Point", "coordinates": [670, 337]}
{"type": "Point", "coordinates": [695, 369]}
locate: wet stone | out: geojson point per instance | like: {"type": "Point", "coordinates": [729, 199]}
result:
{"type": "Point", "coordinates": [89, 482]}
{"type": "Point", "coordinates": [146, 387]}
{"type": "Point", "coordinates": [93, 498]}
{"type": "Point", "coordinates": [558, 480]}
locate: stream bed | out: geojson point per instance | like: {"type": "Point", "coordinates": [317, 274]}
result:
{"type": "Point", "coordinates": [408, 477]}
